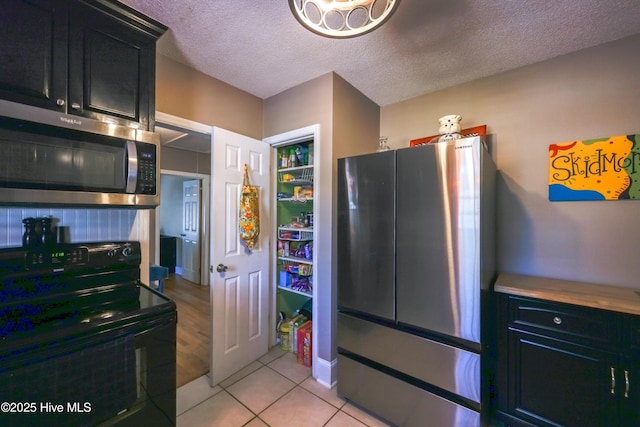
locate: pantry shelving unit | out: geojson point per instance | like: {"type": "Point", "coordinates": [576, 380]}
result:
{"type": "Point", "coordinates": [295, 231]}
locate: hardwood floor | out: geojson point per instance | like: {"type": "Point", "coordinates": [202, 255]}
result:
{"type": "Point", "coordinates": [193, 327]}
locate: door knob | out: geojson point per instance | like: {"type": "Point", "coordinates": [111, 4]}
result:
{"type": "Point", "coordinates": [221, 268]}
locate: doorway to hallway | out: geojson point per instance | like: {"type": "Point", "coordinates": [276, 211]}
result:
{"type": "Point", "coordinates": [192, 348]}
{"type": "Point", "coordinates": [181, 220]}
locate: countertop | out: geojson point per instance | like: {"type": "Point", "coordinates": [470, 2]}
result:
{"type": "Point", "coordinates": [613, 298]}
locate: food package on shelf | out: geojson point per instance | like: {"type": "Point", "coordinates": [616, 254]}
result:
{"type": "Point", "coordinates": [303, 343]}
{"type": "Point", "coordinates": [302, 284]}
{"type": "Point", "coordinates": [306, 193]}
{"type": "Point", "coordinates": [285, 279]}
{"type": "Point", "coordinates": [294, 332]}
{"type": "Point", "coordinates": [304, 270]}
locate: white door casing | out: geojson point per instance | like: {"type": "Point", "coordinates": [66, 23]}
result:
{"type": "Point", "coordinates": [239, 295]}
{"type": "Point", "coordinates": [191, 230]}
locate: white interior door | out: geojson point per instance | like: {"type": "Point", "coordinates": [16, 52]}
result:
{"type": "Point", "coordinates": [240, 294]}
{"type": "Point", "coordinates": [191, 230]}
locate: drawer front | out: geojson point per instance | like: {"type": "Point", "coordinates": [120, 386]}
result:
{"type": "Point", "coordinates": [441, 365]}
{"type": "Point", "coordinates": [632, 330]}
{"type": "Point", "coordinates": [397, 401]}
{"type": "Point", "coordinates": [564, 320]}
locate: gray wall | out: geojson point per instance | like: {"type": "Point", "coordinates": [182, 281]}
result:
{"type": "Point", "coordinates": [588, 94]}
{"type": "Point", "coordinates": [184, 92]}
{"type": "Point", "coordinates": [171, 205]}
{"type": "Point", "coordinates": [349, 125]}
{"type": "Point", "coordinates": [305, 105]}
{"type": "Point", "coordinates": [185, 161]}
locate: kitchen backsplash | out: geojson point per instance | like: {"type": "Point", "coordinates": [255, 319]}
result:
{"type": "Point", "coordinates": [85, 225]}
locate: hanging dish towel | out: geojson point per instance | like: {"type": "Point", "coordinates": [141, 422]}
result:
{"type": "Point", "coordinates": [249, 212]}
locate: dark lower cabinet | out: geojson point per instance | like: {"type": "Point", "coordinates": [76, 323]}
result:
{"type": "Point", "coordinates": [556, 383]}
{"type": "Point", "coordinates": [564, 365]}
{"type": "Point", "coordinates": [630, 406]}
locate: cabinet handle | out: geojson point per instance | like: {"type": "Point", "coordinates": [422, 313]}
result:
{"type": "Point", "coordinates": [75, 106]}
{"type": "Point", "coordinates": [557, 320]}
{"type": "Point", "coordinates": [613, 380]}
{"type": "Point", "coordinates": [626, 383]}
{"type": "Point", "coordinates": [60, 102]}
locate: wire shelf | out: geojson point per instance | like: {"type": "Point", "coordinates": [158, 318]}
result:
{"type": "Point", "coordinates": [296, 176]}
{"type": "Point", "coordinates": [295, 234]}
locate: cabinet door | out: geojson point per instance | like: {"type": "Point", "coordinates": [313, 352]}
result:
{"type": "Point", "coordinates": [630, 373]}
{"type": "Point", "coordinates": [111, 67]}
{"type": "Point", "coordinates": [553, 383]}
{"type": "Point", "coordinates": [33, 58]}
{"type": "Point", "coordinates": [629, 391]}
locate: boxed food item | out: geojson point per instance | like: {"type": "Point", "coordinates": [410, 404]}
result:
{"type": "Point", "coordinates": [304, 343]}
{"type": "Point", "coordinates": [299, 322]}
{"type": "Point", "coordinates": [285, 279]}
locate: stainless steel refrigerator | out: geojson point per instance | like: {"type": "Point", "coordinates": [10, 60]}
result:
{"type": "Point", "coordinates": [415, 261]}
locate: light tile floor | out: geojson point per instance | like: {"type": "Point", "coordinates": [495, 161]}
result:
{"type": "Point", "coordinates": [273, 391]}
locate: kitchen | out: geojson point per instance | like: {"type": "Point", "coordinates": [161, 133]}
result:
{"type": "Point", "coordinates": [590, 93]}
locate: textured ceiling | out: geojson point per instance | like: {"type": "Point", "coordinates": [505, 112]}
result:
{"type": "Point", "coordinates": [258, 46]}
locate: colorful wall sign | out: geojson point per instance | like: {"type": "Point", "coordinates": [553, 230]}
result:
{"type": "Point", "coordinates": [595, 169]}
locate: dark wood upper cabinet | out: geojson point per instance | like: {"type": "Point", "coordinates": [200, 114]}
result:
{"type": "Point", "coordinates": [33, 57]}
{"type": "Point", "coordinates": [91, 58]}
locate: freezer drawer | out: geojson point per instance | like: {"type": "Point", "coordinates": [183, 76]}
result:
{"type": "Point", "coordinates": [397, 401]}
{"type": "Point", "coordinates": [446, 367]}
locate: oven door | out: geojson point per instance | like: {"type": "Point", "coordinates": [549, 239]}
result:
{"type": "Point", "coordinates": [121, 374]}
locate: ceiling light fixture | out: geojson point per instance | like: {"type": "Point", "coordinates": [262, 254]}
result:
{"type": "Point", "coordinates": [342, 18]}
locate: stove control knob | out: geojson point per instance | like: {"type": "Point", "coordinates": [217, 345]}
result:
{"type": "Point", "coordinates": [127, 251]}
{"type": "Point", "coordinates": [112, 253]}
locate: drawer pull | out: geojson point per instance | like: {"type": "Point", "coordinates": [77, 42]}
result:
{"type": "Point", "coordinates": [557, 320]}
{"type": "Point", "coordinates": [626, 383]}
{"type": "Point", "coordinates": [613, 380]}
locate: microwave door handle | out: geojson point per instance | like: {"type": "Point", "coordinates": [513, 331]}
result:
{"type": "Point", "coordinates": [132, 167]}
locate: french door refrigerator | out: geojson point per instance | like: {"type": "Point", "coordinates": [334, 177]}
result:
{"type": "Point", "coordinates": [415, 262]}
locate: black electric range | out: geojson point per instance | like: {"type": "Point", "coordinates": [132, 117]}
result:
{"type": "Point", "coordinates": [82, 340]}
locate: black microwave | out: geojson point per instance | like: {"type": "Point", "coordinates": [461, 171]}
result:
{"type": "Point", "coordinates": [49, 158]}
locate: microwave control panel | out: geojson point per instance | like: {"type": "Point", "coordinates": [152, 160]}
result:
{"type": "Point", "coordinates": [147, 168]}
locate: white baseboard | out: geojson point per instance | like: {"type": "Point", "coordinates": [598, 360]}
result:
{"type": "Point", "coordinates": [326, 372]}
